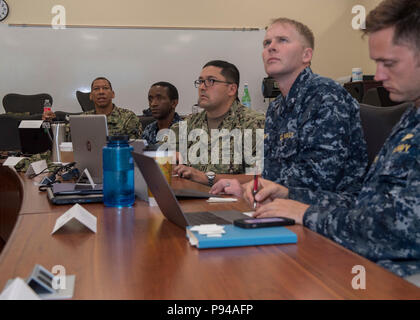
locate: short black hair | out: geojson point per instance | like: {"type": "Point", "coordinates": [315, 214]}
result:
{"type": "Point", "coordinates": [172, 90]}
{"type": "Point", "coordinates": [100, 78]}
{"type": "Point", "coordinates": [229, 70]}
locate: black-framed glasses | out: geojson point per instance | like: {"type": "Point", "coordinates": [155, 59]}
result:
{"type": "Point", "coordinates": [208, 82]}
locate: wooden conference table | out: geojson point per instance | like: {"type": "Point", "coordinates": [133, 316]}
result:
{"type": "Point", "coordinates": [138, 254]}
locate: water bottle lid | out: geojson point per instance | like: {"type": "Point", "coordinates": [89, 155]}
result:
{"type": "Point", "coordinates": [117, 138]}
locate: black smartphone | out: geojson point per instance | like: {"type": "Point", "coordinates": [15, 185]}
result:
{"type": "Point", "coordinates": [263, 222]}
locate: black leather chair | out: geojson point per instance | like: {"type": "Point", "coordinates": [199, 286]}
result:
{"type": "Point", "coordinates": [377, 124]}
{"type": "Point", "coordinates": [21, 103]}
{"type": "Point", "coordinates": [9, 130]}
{"type": "Point", "coordinates": [355, 89]}
{"type": "Point", "coordinates": [378, 96]}
{"type": "Point", "coordinates": [84, 100]}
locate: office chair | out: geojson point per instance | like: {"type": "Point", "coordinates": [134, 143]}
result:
{"type": "Point", "coordinates": [379, 97]}
{"type": "Point", "coordinates": [84, 100]}
{"type": "Point", "coordinates": [11, 198]}
{"type": "Point", "coordinates": [355, 89]}
{"type": "Point", "coordinates": [377, 124]}
{"type": "Point", "coordinates": [21, 103]}
{"type": "Point", "coordinates": [372, 98]}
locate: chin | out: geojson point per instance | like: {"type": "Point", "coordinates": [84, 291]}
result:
{"type": "Point", "coordinates": [397, 98]}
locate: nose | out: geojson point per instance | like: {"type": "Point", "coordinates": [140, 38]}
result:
{"type": "Point", "coordinates": [380, 74]}
{"type": "Point", "coordinates": [153, 102]}
{"type": "Point", "coordinates": [202, 86]}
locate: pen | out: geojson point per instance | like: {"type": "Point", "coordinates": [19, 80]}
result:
{"type": "Point", "coordinates": [255, 190]}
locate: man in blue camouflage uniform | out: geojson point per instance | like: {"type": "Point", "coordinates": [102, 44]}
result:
{"type": "Point", "coordinates": [163, 99]}
{"type": "Point", "coordinates": [382, 222]}
{"type": "Point", "coordinates": [313, 135]}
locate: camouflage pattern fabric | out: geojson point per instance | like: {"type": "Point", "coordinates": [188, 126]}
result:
{"type": "Point", "coordinates": [23, 164]}
{"type": "Point", "coordinates": [381, 223]}
{"type": "Point", "coordinates": [313, 137]}
{"type": "Point", "coordinates": [238, 117]}
{"type": "Point", "coordinates": [150, 132]}
{"type": "Point", "coordinates": [18, 114]}
{"type": "Point", "coordinates": [122, 122]}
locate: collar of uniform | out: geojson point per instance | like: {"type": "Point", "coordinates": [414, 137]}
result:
{"type": "Point", "coordinates": [114, 115]}
{"type": "Point", "coordinates": [412, 114]}
{"type": "Point", "coordinates": [176, 118]}
{"type": "Point", "coordinates": [93, 111]}
{"type": "Point", "coordinates": [300, 82]}
{"type": "Point", "coordinates": [231, 112]}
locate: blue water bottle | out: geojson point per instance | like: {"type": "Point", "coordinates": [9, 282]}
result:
{"type": "Point", "coordinates": [118, 169]}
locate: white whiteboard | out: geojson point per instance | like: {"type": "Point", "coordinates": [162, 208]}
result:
{"type": "Point", "coordinates": [59, 62]}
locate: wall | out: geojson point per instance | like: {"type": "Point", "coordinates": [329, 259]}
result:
{"type": "Point", "coordinates": [338, 46]}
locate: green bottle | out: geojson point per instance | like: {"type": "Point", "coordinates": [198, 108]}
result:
{"type": "Point", "coordinates": [246, 98]}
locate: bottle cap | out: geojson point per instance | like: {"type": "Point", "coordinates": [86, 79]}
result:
{"type": "Point", "coordinates": [117, 138]}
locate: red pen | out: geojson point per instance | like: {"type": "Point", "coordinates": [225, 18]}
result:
{"type": "Point", "coordinates": [254, 192]}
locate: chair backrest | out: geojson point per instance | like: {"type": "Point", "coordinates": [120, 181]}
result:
{"type": "Point", "coordinates": [384, 98]}
{"type": "Point", "coordinates": [378, 96]}
{"type": "Point", "coordinates": [9, 130]}
{"type": "Point", "coordinates": [371, 97]}
{"type": "Point", "coordinates": [20, 103]}
{"type": "Point", "coordinates": [377, 124]}
{"type": "Point", "coordinates": [145, 121]}
{"type": "Point", "coordinates": [84, 100]}
{"type": "Point", "coordinates": [355, 89]}
{"type": "Point", "coordinates": [11, 197]}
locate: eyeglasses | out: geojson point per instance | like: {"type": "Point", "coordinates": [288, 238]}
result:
{"type": "Point", "coordinates": [208, 82]}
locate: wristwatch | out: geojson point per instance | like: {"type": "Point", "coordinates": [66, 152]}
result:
{"type": "Point", "coordinates": [210, 177]}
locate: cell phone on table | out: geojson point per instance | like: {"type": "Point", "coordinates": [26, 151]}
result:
{"type": "Point", "coordinates": [263, 222]}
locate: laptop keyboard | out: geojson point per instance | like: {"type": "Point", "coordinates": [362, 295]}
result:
{"type": "Point", "coordinates": [204, 218]}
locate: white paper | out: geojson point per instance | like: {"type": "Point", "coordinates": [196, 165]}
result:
{"type": "Point", "coordinates": [18, 290]}
{"type": "Point", "coordinates": [36, 167]}
{"type": "Point", "coordinates": [86, 172]}
{"type": "Point", "coordinates": [78, 213]}
{"type": "Point", "coordinates": [34, 124]}
{"type": "Point", "coordinates": [12, 161]}
{"type": "Point", "coordinates": [214, 200]}
{"type": "Point", "coordinates": [249, 213]}
{"type": "Point", "coordinates": [66, 146]}
{"type": "Point", "coordinates": [211, 230]}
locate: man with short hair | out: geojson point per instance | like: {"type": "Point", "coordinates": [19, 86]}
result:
{"type": "Point", "coordinates": [120, 121]}
{"type": "Point", "coordinates": [218, 96]}
{"type": "Point", "coordinates": [382, 222]}
{"type": "Point", "coordinates": [313, 135]}
{"type": "Point", "coordinates": [163, 99]}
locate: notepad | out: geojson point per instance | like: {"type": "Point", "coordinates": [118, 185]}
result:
{"type": "Point", "coordinates": [238, 237]}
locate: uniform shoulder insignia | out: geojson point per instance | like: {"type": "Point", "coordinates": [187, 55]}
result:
{"type": "Point", "coordinates": [408, 136]}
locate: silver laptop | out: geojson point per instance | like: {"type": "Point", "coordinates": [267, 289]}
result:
{"type": "Point", "coordinates": [168, 203]}
{"type": "Point", "coordinates": [88, 134]}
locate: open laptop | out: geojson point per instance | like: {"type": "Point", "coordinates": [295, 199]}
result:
{"type": "Point", "coordinates": [168, 203]}
{"type": "Point", "coordinates": [88, 134]}
{"type": "Point", "coordinates": [140, 185]}
{"type": "Point", "coordinates": [35, 140]}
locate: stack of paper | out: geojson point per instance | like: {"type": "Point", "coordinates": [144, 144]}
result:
{"type": "Point", "coordinates": [232, 236]}
{"type": "Point", "coordinates": [210, 230]}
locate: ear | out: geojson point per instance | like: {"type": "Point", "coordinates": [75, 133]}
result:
{"type": "Point", "coordinates": [307, 55]}
{"type": "Point", "coordinates": [90, 96]}
{"type": "Point", "coordinates": [233, 89]}
{"type": "Point", "coordinates": [174, 103]}
{"type": "Point", "coordinates": [113, 94]}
